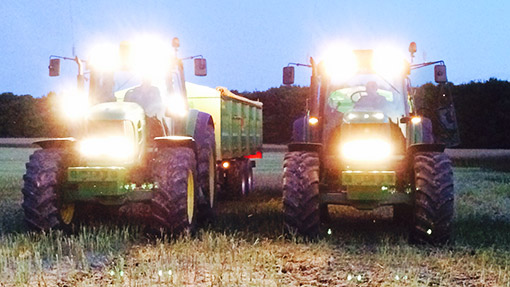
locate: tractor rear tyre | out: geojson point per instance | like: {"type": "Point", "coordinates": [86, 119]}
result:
{"type": "Point", "coordinates": [434, 198]}
{"type": "Point", "coordinates": [42, 204]}
{"type": "Point", "coordinates": [206, 173]}
{"type": "Point", "coordinates": [173, 204]}
{"type": "Point", "coordinates": [301, 193]}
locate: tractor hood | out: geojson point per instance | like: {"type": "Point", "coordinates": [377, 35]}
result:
{"type": "Point", "coordinates": [371, 143]}
{"type": "Point", "coordinates": [114, 135]}
{"type": "Point", "coordinates": [117, 111]}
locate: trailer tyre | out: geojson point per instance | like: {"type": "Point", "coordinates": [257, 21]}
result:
{"type": "Point", "coordinates": [434, 199]}
{"type": "Point", "coordinates": [46, 171]}
{"type": "Point", "coordinates": [173, 204]}
{"type": "Point", "coordinates": [247, 178]}
{"type": "Point", "coordinates": [301, 193]}
{"type": "Point", "coordinates": [238, 180]}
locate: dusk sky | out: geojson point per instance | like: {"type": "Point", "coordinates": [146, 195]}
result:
{"type": "Point", "coordinates": [246, 43]}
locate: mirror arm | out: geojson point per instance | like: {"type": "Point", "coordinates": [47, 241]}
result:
{"type": "Point", "coordinates": [193, 57]}
{"type": "Point", "coordinates": [421, 65]}
{"type": "Point", "coordinates": [299, 65]}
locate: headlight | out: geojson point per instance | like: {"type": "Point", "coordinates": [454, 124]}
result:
{"type": "Point", "coordinates": [111, 147]}
{"type": "Point", "coordinates": [366, 150]}
{"type": "Point", "coordinates": [364, 117]}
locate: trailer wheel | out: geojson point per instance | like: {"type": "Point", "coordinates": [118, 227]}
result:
{"type": "Point", "coordinates": [238, 180]}
{"type": "Point", "coordinates": [42, 205]}
{"type": "Point", "coordinates": [434, 199]}
{"type": "Point", "coordinates": [174, 201]}
{"type": "Point", "coordinates": [301, 193]}
{"type": "Point", "coordinates": [206, 172]}
{"type": "Point", "coordinates": [247, 178]}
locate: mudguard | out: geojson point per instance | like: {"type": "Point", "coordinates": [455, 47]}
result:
{"type": "Point", "coordinates": [313, 147]}
{"type": "Point", "coordinates": [57, 143]}
{"type": "Point", "coordinates": [175, 141]}
{"type": "Point", "coordinates": [298, 130]}
{"type": "Point", "coordinates": [202, 121]}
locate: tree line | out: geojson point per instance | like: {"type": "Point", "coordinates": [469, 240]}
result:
{"type": "Point", "coordinates": [481, 111]}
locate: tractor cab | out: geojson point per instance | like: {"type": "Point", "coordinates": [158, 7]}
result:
{"type": "Point", "coordinates": [136, 92]}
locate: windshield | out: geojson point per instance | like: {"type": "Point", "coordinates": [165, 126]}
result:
{"type": "Point", "coordinates": [150, 93]}
{"type": "Point", "coordinates": [368, 93]}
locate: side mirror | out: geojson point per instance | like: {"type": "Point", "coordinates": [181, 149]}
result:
{"type": "Point", "coordinates": [54, 67]}
{"type": "Point", "coordinates": [200, 67]}
{"type": "Point", "coordinates": [288, 75]}
{"type": "Point", "coordinates": [440, 74]}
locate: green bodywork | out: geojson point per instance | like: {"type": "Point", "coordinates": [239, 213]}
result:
{"type": "Point", "coordinates": [238, 127]}
{"type": "Point", "coordinates": [237, 120]}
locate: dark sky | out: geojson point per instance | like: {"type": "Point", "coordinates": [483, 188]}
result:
{"type": "Point", "coordinates": [247, 43]}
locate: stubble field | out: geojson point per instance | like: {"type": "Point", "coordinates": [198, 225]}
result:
{"type": "Point", "coordinates": [245, 245]}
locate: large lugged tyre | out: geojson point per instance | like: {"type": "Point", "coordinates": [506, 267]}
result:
{"type": "Point", "coordinates": [301, 193]}
{"type": "Point", "coordinates": [46, 171]}
{"type": "Point", "coordinates": [239, 179]}
{"type": "Point", "coordinates": [207, 171]}
{"type": "Point", "coordinates": [247, 178]}
{"type": "Point", "coordinates": [434, 198]}
{"type": "Point", "coordinates": [173, 204]}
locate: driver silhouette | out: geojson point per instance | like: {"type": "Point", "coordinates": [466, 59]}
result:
{"type": "Point", "coordinates": [372, 99]}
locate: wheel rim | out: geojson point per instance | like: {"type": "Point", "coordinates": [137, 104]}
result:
{"type": "Point", "coordinates": [212, 175]}
{"type": "Point", "coordinates": [243, 184]}
{"type": "Point", "coordinates": [67, 213]}
{"type": "Point", "coordinates": [191, 196]}
{"type": "Point", "coordinates": [250, 182]}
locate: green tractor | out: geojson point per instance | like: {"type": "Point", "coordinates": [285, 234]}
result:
{"type": "Point", "coordinates": [364, 142]}
{"type": "Point", "coordinates": [134, 140]}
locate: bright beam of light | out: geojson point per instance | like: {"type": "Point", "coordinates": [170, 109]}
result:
{"type": "Point", "coordinates": [74, 103]}
{"type": "Point", "coordinates": [388, 62]}
{"type": "Point", "coordinates": [151, 56]}
{"type": "Point", "coordinates": [366, 150]}
{"type": "Point", "coordinates": [112, 147]}
{"type": "Point", "coordinates": [340, 62]}
{"type": "Point", "coordinates": [104, 57]}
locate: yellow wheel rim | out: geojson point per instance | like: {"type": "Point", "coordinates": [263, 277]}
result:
{"type": "Point", "coordinates": [67, 213]}
{"type": "Point", "coordinates": [212, 175]}
{"type": "Point", "coordinates": [191, 196]}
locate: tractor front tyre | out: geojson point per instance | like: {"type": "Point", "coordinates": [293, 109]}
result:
{"type": "Point", "coordinates": [42, 189]}
{"type": "Point", "coordinates": [173, 204]}
{"type": "Point", "coordinates": [301, 209]}
{"type": "Point", "coordinates": [434, 198]}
